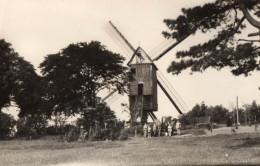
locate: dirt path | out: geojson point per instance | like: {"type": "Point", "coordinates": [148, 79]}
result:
{"type": "Point", "coordinates": [222, 146]}
{"type": "Point", "coordinates": [228, 130]}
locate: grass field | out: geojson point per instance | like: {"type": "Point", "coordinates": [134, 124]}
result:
{"type": "Point", "coordinates": [211, 149]}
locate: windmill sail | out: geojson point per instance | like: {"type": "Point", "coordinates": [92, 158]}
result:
{"type": "Point", "coordinates": [109, 95]}
{"type": "Point", "coordinates": [119, 39]}
{"type": "Point", "coordinates": [171, 93]}
{"type": "Point", "coordinates": [170, 48]}
{"type": "Point", "coordinates": [129, 51]}
{"type": "Point", "coordinates": [160, 48]}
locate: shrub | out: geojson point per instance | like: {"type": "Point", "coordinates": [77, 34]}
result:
{"type": "Point", "coordinates": [114, 134]}
{"type": "Point", "coordinates": [124, 134]}
{"type": "Point", "coordinates": [229, 122]}
{"type": "Point", "coordinates": [199, 132]}
{"type": "Point", "coordinates": [50, 130]}
{"type": "Point", "coordinates": [7, 124]}
{"type": "Point", "coordinates": [71, 135]}
{"type": "Point", "coordinates": [92, 137]}
{"type": "Point", "coordinates": [32, 126]}
{"type": "Point", "coordinates": [102, 135]}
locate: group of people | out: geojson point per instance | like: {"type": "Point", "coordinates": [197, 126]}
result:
{"type": "Point", "coordinates": [148, 132]}
{"type": "Point", "coordinates": [177, 127]}
{"type": "Point", "coordinates": [155, 129]}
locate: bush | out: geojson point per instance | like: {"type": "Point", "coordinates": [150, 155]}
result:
{"type": "Point", "coordinates": [199, 132]}
{"type": "Point", "coordinates": [102, 135]}
{"type": "Point", "coordinates": [32, 126]}
{"type": "Point", "coordinates": [71, 135]}
{"type": "Point", "coordinates": [114, 134]}
{"type": "Point", "coordinates": [229, 122]}
{"type": "Point", "coordinates": [124, 134]}
{"type": "Point", "coordinates": [50, 130]}
{"type": "Point", "coordinates": [7, 124]}
{"type": "Point", "coordinates": [92, 137]}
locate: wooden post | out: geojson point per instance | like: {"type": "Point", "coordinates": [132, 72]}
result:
{"type": "Point", "coordinates": [162, 124]}
{"type": "Point", "coordinates": [245, 118]}
{"type": "Point", "coordinates": [135, 131]}
{"type": "Point", "coordinates": [237, 113]}
{"type": "Point", "coordinates": [234, 118]}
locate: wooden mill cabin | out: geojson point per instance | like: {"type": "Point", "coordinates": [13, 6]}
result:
{"type": "Point", "coordinates": [143, 87]}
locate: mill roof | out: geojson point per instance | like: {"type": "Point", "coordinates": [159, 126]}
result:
{"type": "Point", "coordinates": [140, 57]}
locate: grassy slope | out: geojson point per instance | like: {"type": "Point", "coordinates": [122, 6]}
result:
{"type": "Point", "coordinates": [218, 149]}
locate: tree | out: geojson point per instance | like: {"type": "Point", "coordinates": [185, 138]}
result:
{"type": "Point", "coordinates": [218, 114]}
{"type": "Point", "coordinates": [26, 86]}
{"type": "Point", "coordinates": [18, 81]}
{"type": "Point", "coordinates": [7, 124]}
{"type": "Point", "coordinates": [99, 115]}
{"type": "Point", "coordinates": [7, 56]}
{"type": "Point", "coordinates": [32, 125]}
{"type": "Point", "coordinates": [200, 112]}
{"type": "Point", "coordinates": [78, 72]}
{"type": "Point", "coordinates": [253, 112]}
{"type": "Point", "coordinates": [59, 120]}
{"type": "Point", "coordinates": [227, 18]}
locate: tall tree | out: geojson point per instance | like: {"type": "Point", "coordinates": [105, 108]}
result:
{"type": "Point", "coordinates": [75, 75]}
{"type": "Point", "coordinates": [7, 56]}
{"type": "Point", "coordinates": [18, 80]}
{"type": "Point", "coordinates": [227, 18]}
{"type": "Point", "coordinates": [100, 115]}
{"type": "Point", "coordinates": [218, 114]}
{"type": "Point", "coordinates": [253, 112]}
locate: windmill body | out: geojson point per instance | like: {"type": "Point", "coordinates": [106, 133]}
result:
{"type": "Point", "coordinates": [146, 76]}
{"type": "Point", "coordinates": [143, 86]}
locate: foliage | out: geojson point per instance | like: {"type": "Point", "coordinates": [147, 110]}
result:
{"type": "Point", "coordinates": [59, 122]}
{"type": "Point", "coordinates": [199, 132]}
{"type": "Point", "coordinates": [100, 131]}
{"type": "Point", "coordinates": [252, 113]}
{"type": "Point", "coordinates": [124, 134]}
{"type": "Point", "coordinates": [76, 74]}
{"type": "Point", "coordinates": [221, 115]}
{"type": "Point", "coordinates": [114, 134]}
{"type": "Point", "coordinates": [32, 125]}
{"type": "Point", "coordinates": [229, 121]}
{"type": "Point", "coordinates": [223, 17]}
{"type": "Point", "coordinates": [72, 134]}
{"type": "Point", "coordinates": [7, 55]}
{"type": "Point", "coordinates": [7, 125]}
{"type": "Point", "coordinates": [91, 117]}
{"type": "Point", "coordinates": [218, 114]}
{"type": "Point", "coordinates": [18, 82]}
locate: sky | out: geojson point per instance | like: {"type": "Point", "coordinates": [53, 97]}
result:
{"type": "Point", "coordinates": [36, 28]}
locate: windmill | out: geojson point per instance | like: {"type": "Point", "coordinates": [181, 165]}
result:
{"type": "Point", "coordinates": [143, 88]}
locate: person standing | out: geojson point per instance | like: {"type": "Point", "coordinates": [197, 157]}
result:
{"type": "Point", "coordinates": [154, 129]}
{"type": "Point", "coordinates": [145, 130]}
{"type": "Point", "coordinates": [169, 130]}
{"type": "Point", "coordinates": [149, 131]}
{"type": "Point", "coordinates": [178, 127]}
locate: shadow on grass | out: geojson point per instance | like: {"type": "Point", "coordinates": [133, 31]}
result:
{"type": "Point", "coordinates": [247, 143]}
{"type": "Point", "coordinates": [108, 146]}
{"type": "Point", "coordinates": [218, 165]}
{"type": "Point", "coordinates": [43, 145]}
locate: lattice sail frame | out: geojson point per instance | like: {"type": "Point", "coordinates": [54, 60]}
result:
{"type": "Point", "coordinates": [156, 54]}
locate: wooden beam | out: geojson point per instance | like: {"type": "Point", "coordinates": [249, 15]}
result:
{"type": "Point", "coordinates": [254, 34]}
{"type": "Point", "coordinates": [248, 16]}
{"type": "Point", "coordinates": [110, 94]}
{"type": "Point", "coordinates": [171, 47]}
{"type": "Point", "coordinates": [153, 115]}
{"type": "Point", "coordinates": [120, 34]}
{"type": "Point", "coordinates": [169, 97]}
